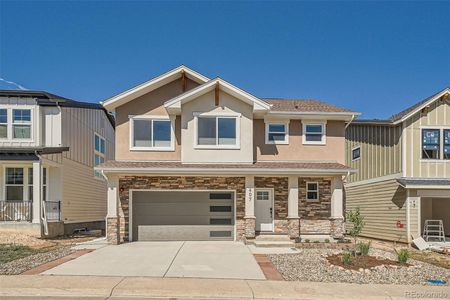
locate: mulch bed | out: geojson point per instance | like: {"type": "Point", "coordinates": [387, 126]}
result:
{"type": "Point", "coordinates": [364, 262]}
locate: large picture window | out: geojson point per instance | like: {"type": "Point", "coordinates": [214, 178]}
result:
{"type": "Point", "coordinates": [430, 143]}
{"type": "Point", "coordinates": [99, 152]}
{"type": "Point", "coordinates": [21, 123]}
{"type": "Point", "coordinates": [446, 143]}
{"type": "Point", "coordinates": [314, 134]}
{"type": "Point", "coordinates": [216, 131]}
{"type": "Point", "coordinates": [276, 133]}
{"type": "Point", "coordinates": [152, 134]}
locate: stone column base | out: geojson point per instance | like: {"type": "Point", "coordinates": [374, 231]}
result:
{"type": "Point", "coordinates": [337, 227]}
{"type": "Point", "coordinates": [112, 230]}
{"type": "Point", "coordinates": [294, 227]}
{"type": "Point", "coordinates": [250, 226]}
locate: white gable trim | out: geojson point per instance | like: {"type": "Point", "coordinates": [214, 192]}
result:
{"type": "Point", "coordinates": [432, 99]}
{"type": "Point", "coordinates": [174, 104]}
{"type": "Point", "coordinates": [148, 86]}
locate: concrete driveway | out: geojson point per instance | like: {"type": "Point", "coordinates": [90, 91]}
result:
{"type": "Point", "coordinates": [167, 259]}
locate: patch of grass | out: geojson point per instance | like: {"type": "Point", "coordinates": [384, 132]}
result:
{"type": "Point", "coordinates": [10, 252]}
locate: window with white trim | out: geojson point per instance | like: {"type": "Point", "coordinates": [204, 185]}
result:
{"type": "Point", "coordinates": [30, 184]}
{"type": "Point", "coordinates": [3, 123]}
{"type": "Point", "coordinates": [14, 184]}
{"type": "Point", "coordinates": [312, 191]}
{"type": "Point", "coordinates": [446, 143]}
{"type": "Point", "coordinates": [99, 153]}
{"type": "Point", "coordinates": [314, 133]}
{"type": "Point", "coordinates": [151, 134]}
{"type": "Point", "coordinates": [21, 125]}
{"type": "Point", "coordinates": [356, 153]}
{"type": "Point", "coordinates": [276, 133]}
{"type": "Point", "coordinates": [431, 143]}
{"type": "Point", "coordinates": [217, 131]}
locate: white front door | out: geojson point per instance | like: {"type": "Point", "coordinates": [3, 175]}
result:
{"type": "Point", "coordinates": [264, 210]}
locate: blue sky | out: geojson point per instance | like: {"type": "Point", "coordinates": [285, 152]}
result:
{"type": "Point", "coordinates": [372, 57]}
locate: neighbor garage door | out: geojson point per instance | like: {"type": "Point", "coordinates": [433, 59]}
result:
{"type": "Point", "coordinates": [182, 215]}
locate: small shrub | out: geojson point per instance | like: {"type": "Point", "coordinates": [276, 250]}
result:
{"type": "Point", "coordinates": [316, 242]}
{"type": "Point", "coordinates": [402, 255]}
{"type": "Point", "coordinates": [364, 248]}
{"type": "Point", "coordinates": [327, 240]}
{"type": "Point", "coordinates": [307, 241]}
{"type": "Point", "coordinates": [347, 258]}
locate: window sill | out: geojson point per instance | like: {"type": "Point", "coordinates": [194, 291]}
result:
{"type": "Point", "coordinates": [277, 143]}
{"type": "Point", "coordinates": [424, 160]}
{"type": "Point", "coordinates": [212, 147]}
{"type": "Point", "coordinates": [312, 200]}
{"type": "Point", "coordinates": [315, 143]}
{"type": "Point", "coordinates": [153, 149]}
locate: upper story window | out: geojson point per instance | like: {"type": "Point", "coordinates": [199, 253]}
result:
{"type": "Point", "coordinates": [446, 143]}
{"type": "Point", "coordinates": [152, 133]}
{"type": "Point", "coordinates": [217, 131]}
{"type": "Point", "coordinates": [21, 123]}
{"type": "Point", "coordinates": [3, 123]}
{"type": "Point", "coordinates": [431, 143]}
{"type": "Point", "coordinates": [277, 133]}
{"type": "Point", "coordinates": [314, 133]}
{"type": "Point", "coordinates": [99, 152]}
{"type": "Point", "coordinates": [356, 153]}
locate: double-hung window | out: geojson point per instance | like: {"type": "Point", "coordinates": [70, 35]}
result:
{"type": "Point", "coordinates": [430, 143]}
{"type": "Point", "coordinates": [314, 133]}
{"type": "Point", "coordinates": [276, 133]}
{"type": "Point", "coordinates": [3, 123]}
{"type": "Point", "coordinates": [312, 191]}
{"type": "Point", "coordinates": [217, 131]}
{"type": "Point", "coordinates": [99, 152]}
{"type": "Point", "coordinates": [356, 153]}
{"type": "Point", "coordinates": [14, 184]}
{"type": "Point", "coordinates": [446, 143]}
{"type": "Point", "coordinates": [30, 184]}
{"type": "Point", "coordinates": [151, 134]}
{"type": "Point", "coordinates": [21, 123]}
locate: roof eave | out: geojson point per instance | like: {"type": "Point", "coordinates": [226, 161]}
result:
{"type": "Point", "coordinates": [345, 116]}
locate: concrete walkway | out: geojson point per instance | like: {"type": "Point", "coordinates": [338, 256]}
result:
{"type": "Point", "coordinates": [231, 260]}
{"type": "Point", "coordinates": [94, 287]}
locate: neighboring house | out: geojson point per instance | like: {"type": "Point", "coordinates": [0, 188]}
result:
{"type": "Point", "coordinates": [201, 159]}
{"type": "Point", "coordinates": [403, 168]}
{"type": "Point", "coordinates": [48, 148]}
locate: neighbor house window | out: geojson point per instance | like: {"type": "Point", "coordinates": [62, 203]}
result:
{"type": "Point", "coordinates": [21, 123]}
{"type": "Point", "coordinates": [446, 143]}
{"type": "Point", "coordinates": [14, 184]}
{"type": "Point", "coordinates": [217, 131]}
{"type": "Point", "coordinates": [30, 184]}
{"type": "Point", "coordinates": [312, 191]}
{"type": "Point", "coordinates": [152, 134]}
{"type": "Point", "coordinates": [3, 123]}
{"type": "Point", "coordinates": [99, 152]}
{"type": "Point", "coordinates": [314, 134]}
{"type": "Point", "coordinates": [276, 133]}
{"type": "Point", "coordinates": [430, 143]}
{"type": "Point", "coordinates": [356, 153]}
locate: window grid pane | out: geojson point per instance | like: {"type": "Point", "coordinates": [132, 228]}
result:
{"type": "Point", "coordinates": [430, 143]}
{"type": "Point", "coordinates": [312, 191]}
{"type": "Point", "coordinates": [161, 133]}
{"type": "Point", "coordinates": [446, 144]}
{"type": "Point", "coordinates": [226, 131]}
{"type": "Point", "coordinates": [142, 132]}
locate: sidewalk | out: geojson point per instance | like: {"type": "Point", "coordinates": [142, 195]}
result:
{"type": "Point", "coordinates": [94, 287]}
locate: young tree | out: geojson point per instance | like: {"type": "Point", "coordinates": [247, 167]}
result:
{"type": "Point", "coordinates": [358, 223]}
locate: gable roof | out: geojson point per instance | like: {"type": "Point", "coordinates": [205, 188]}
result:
{"type": "Point", "coordinates": [44, 98]}
{"type": "Point", "coordinates": [408, 112]}
{"type": "Point", "coordinates": [174, 104]}
{"type": "Point", "coordinates": [303, 105]}
{"type": "Point", "coordinates": [152, 84]}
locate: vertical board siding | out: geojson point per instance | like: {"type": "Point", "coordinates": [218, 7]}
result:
{"type": "Point", "coordinates": [438, 116]}
{"type": "Point", "coordinates": [380, 150]}
{"type": "Point", "coordinates": [382, 204]}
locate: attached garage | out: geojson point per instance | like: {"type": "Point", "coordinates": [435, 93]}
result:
{"type": "Point", "coordinates": [182, 215]}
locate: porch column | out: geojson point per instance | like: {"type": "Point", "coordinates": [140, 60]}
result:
{"type": "Point", "coordinates": [337, 208]}
{"type": "Point", "coordinates": [249, 219]}
{"type": "Point", "coordinates": [412, 215]}
{"type": "Point", "coordinates": [37, 190]}
{"type": "Point", "coordinates": [112, 217]}
{"type": "Point", "coordinates": [293, 217]}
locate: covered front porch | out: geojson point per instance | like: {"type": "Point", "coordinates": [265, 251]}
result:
{"type": "Point", "coordinates": [30, 192]}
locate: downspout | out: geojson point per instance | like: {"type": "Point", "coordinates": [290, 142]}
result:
{"type": "Point", "coordinates": [43, 213]}
{"type": "Point", "coordinates": [353, 117]}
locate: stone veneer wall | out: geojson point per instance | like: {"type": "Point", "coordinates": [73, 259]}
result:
{"type": "Point", "coordinates": [175, 183]}
{"type": "Point", "coordinates": [280, 187]}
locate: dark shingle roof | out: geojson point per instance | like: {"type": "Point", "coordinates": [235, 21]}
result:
{"type": "Point", "coordinates": [303, 105]}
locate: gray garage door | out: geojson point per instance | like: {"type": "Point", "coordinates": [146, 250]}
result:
{"type": "Point", "coordinates": [182, 215]}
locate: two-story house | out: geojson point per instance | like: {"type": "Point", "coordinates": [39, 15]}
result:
{"type": "Point", "coordinates": [201, 159]}
{"type": "Point", "coordinates": [49, 146]}
{"type": "Point", "coordinates": [403, 165]}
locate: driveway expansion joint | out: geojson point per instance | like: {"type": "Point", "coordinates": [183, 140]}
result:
{"type": "Point", "coordinates": [175, 256]}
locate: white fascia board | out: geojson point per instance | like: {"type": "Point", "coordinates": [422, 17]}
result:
{"type": "Point", "coordinates": [344, 116]}
{"type": "Point", "coordinates": [148, 86]}
{"type": "Point", "coordinates": [426, 187]}
{"type": "Point", "coordinates": [225, 171]}
{"type": "Point", "coordinates": [258, 104]}
{"type": "Point", "coordinates": [434, 98]}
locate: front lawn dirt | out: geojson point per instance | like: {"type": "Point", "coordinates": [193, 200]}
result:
{"type": "Point", "coordinates": [363, 261]}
